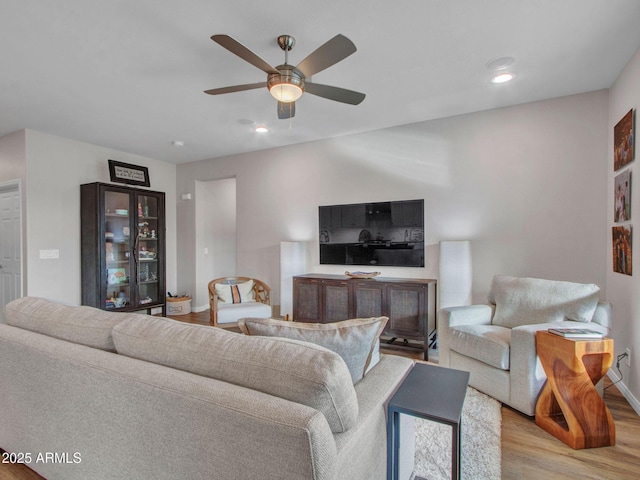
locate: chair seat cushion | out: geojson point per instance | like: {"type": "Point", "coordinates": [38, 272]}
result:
{"type": "Point", "coordinates": [486, 343]}
{"type": "Point", "coordinates": [231, 313]}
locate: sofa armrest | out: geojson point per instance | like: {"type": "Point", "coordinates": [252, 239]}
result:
{"type": "Point", "coordinates": [362, 450]}
{"type": "Point", "coordinates": [456, 316]}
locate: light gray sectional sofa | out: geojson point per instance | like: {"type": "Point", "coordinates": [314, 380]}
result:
{"type": "Point", "coordinates": [183, 401]}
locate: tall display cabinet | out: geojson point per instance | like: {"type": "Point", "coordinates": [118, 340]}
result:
{"type": "Point", "coordinates": [123, 248]}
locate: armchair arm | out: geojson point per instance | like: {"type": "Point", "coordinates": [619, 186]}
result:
{"type": "Point", "coordinates": [527, 374]}
{"type": "Point", "coordinates": [602, 315]}
{"type": "Point", "coordinates": [466, 315]}
{"type": "Point", "coordinates": [455, 316]}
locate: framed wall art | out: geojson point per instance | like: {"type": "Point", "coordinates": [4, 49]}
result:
{"type": "Point", "coordinates": [622, 197]}
{"type": "Point", "coordinates": [623, 141]}
{"type": "Point", "coordinates": [622, 255]}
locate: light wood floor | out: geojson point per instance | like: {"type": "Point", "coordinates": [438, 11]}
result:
{"type": "Point", "coordinates": [528, 452]}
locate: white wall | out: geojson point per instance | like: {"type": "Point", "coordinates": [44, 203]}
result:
{"type": "Point", "coordinates": [56, 167]}
{"type": "Point", "coordinates": [524, 184]}
{"type": "Point", "coordinates": [622, 290]}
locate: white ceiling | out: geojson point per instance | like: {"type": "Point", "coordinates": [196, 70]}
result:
{"type": "Point", "coordinates": [130, 74]}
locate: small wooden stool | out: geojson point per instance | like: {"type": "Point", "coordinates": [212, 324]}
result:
{"type": "Point", "coordinates": [569, 406]}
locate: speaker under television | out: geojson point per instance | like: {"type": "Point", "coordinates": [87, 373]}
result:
{"type": "Point", "coordinates": [373, 234]}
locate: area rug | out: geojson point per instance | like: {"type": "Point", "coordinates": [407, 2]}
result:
{"type": "Point", "coordinates": [480, 444]}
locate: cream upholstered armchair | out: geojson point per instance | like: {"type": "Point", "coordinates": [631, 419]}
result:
{"type": "Point", "coordinates": [496, 343]}
{"type": "Point", "coordinates": [233, 298]}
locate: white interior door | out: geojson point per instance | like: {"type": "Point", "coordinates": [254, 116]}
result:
{"type": "Point", "coordinates": [10, 241]}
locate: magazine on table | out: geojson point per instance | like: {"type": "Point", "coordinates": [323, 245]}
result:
{"type": "Point", "coordinates": [575, 332]}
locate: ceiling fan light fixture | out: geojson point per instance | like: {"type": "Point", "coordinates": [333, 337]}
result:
{"type": "Point", "coordinates": [285, 88]}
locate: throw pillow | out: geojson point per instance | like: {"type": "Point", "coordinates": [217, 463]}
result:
{"type": "Point", "coordinates": [300, 372]}
{"type": "Point", "coordinates": [235, 293]}
{"type": "Point", "coordinates": [84, 325]}
{"type": "Point", "coordinates": [355, 340]}
{"type": "Point", "coordinates": [526, 301]}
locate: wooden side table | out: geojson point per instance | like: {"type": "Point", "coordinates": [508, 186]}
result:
{"type": "Point", "coordinates": [569, 406]}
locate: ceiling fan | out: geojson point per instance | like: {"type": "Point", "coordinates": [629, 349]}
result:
{"type": "Point", "coordinates": [287, 83]}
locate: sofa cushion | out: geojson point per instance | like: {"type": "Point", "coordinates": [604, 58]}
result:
{"type": "Point", "coordinates": [525, 301]}
{"type": "Point", "coordinates": [230, 312]}
{"type": "Point", "coordinates": [289, 369]}
{"type": "Point", "coordinates": [355, 340]}
{"type": "Point", "coordinates": [487, 343]}
{"type": "Point", "coordinates": [235, 293]}
{"type": "Point", "coordinates": [83, 325]}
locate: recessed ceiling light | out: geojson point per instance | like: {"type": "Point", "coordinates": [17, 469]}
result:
{"type": "Point", "coordinates": [503, 77]}
{"type": "Point", "coordinates": [261, 129]}
{"type": "Point", "coordinates": [177, 143]}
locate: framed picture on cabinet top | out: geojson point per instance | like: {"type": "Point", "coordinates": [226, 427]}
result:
{"type": "Point", "coordinates": [129, 174]}
{"type": "Point", "coordinates": [622, 197]}
{"type": "Point", "coordinates": [623, 141]}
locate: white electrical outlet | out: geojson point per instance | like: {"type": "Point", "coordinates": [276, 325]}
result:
{"type": "Point", "coordinates": [628, 359]}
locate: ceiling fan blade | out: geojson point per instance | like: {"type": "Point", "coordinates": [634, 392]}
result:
{"type": "Point", "coordinates": [330, 53]}
{"type": "Point", "coordinates": [235, 88]}
{"type": "Point", "coordinates": [243, 52]}
{"type": "Point", "coordinates": [334, 93]}
{"type": "Point", "coordinates": [286, 110]}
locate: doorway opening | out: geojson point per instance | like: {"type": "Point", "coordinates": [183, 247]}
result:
{"type": "Point", "coordinates": [10, 243]}
{"type": "Point", "coordinates": [215, 233]}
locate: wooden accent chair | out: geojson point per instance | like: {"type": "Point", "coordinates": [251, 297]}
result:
{"type": "Point", "coordinates": [228, 305]}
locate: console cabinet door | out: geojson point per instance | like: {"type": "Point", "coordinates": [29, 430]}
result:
{"type": "Point", "coordinates": [407, 309]}
{"type": "Point", "coordinates": [306, 300]}
{"type": "Point", "coordinates": [369, 299]}
{"type": "Point", "coordinates": [335, 299]}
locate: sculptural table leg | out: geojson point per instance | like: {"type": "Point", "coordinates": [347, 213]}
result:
{"type": "Point", "coordinates": [569, 406]}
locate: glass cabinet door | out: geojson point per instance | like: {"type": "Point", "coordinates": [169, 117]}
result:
{"type": "Point", "coordinates": [147, 249]}
{"type": "Point", "coordinates": [117, 248]}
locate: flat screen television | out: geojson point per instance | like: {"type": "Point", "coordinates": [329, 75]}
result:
{"type": "Point", "coordinates": [373, 234]}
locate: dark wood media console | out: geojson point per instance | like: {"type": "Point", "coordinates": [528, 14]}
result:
{"type": "Point", "coordinates": [410, 303]}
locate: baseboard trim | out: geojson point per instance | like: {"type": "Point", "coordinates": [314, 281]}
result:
{"type": "Point", "coordinates": [633, 401]}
